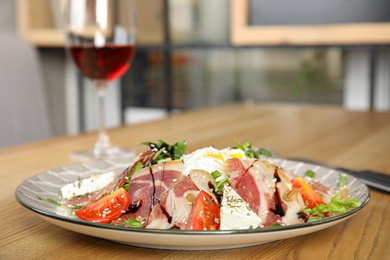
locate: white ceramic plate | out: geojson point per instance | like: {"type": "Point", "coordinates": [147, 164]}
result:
{"type": "Point", "coordinates": [48, 184]}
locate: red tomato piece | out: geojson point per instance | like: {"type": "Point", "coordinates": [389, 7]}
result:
{"type": "Point", "coordinates": [107, 208]}
{"type": "Point", "coordinates": [205, 214]}
{"type": "Point", "coordinates": [310, 197]}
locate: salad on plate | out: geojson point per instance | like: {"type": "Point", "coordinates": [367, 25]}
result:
{"type": "Point", "coordinates": [208, 189]}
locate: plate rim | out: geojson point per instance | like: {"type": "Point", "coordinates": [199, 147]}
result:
{"type": "Point", "coordinates": [18, 195]}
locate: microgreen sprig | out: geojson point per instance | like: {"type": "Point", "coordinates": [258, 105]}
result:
{"type": "Point", "coordinates": [132, 222]}
{"type": "Point", "coordinates": [56, 203]}
{"type": "Point", "coordinates": [250, 151]}
{"type": "Point", "coordinates": [166, 152]}
{"type": "Point", "coordinates": [216, 174]}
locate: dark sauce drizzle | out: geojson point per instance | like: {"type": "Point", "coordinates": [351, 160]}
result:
{"type": "Point", "coordinates": [154, 189]}
{"type": "Point", "coordinates": [155, 200]}
{"type": "Point", "coordinates": [134, 207]}
{"type": "Point", "coordinates": [303, 216]}
{"type": "Point", "coordinates": [278, 210]}
{"type": "Point", "coordinates": [165, 212]}
{"type": "Point", "coordinates": [212, 189]}
{"type": "Point", "coordinates": [175, 227]}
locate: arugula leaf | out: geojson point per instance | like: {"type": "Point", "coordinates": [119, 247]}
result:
{"type": "Point", "coordinates": [159, 154]}
{"type": "Point", "coordinates": [132, 222]}
{"type": "Point", "coordinates": [221, 183]}
{"type": "Point", "coordinates": [76, 206]}
{"type": "Point", "coordinates": [242, 147]}
{"type": "Point", "coordinates": [166, 152]}
{"type": "Point", "coordinates": [146, 143]}
{"type": "Point", "coordinates": [55, 203]}
{"type": "Point", "coordinates": [264, 152]}
{"type": "Point", "coordinates": [179, 149]}
{"type": "Point", "coordinates": [310, 173]}
{"type": "Point", "coordinates": [126, 185]}
{"type": "Point", "coordinates": [342, 180]}
{"type": "Point", "coordinates": [137, 167]}
{"type": "Point", "coordinates": [216, 174]}
{"type": "Point", "coordinates": [250, 152]}
{"type": "Point", "coordinates": [336, 205]}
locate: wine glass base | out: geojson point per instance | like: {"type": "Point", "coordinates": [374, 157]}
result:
{"type": "Point", "coordinates": [111, 153]}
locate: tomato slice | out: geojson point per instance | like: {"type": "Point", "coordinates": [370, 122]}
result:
{"type": "Point", "coordinates": [107, 208]}
{"type": "Point", "coordinates": [310, 197]}
{"type": "Point", "coordinates": [205, 214]}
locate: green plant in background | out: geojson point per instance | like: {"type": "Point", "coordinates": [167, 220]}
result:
{"type": "Point", "coordinates": [313, 75]}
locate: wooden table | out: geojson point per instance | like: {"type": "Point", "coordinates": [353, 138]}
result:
{"type": "Point", "coordinates": [357, 140]}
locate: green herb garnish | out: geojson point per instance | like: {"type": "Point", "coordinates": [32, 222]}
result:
{"type": "Point", "coordinates": [276, 225]}
{"type": "Point", "coordinates": [179, 149]}
{"type": "Point", "coordinates": [342, 180]}
{"type": "Point", "coordinates": [309, 173]}
{"type": "Point", "coordinates": [138, 166]}
{"type": "Point", "coordinates": [166, 152]}
{"type": "Point", "coordinates": [76, 206]}
{"type": "Point", "coordinates": [216, 174]}
{"type": "Point", "coordinates": [250, 152]}
{"type": "Point", "coordinates": [132, 222]}
{"type": "Point", "coordinates": [265, 152]}
{"type": "Point", "coordinates": [55, 203]}
{"type": "Point", "coordinates": [336, 205]}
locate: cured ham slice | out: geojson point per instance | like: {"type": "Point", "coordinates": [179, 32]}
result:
{"type": "Point", "coordinates": [146, 187]}
{"type": "Point", "coordinates": [85, 201]}
{"type": "Point", "coordinates": [204, 181]}
{"type": "Point", "coordinates": [117, 183]}
{"type": "Point", "coordinates": [175, 206]}
{"type": "Point", "coordinates": [267, 189]}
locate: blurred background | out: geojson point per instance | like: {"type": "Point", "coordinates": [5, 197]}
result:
{"type": "Point", "coordinates": [186, 59]}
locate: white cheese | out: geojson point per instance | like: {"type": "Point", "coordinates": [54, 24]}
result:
{"type": "Point", "coordinates": [210, 159]}
{"type": "Point", "coordinates": [87, 186]}
{"type": "Point", "coordinates": [235, 212]}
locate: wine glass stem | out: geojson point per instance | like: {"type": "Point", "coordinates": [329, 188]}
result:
{"type": "Point", "coordinates": [103, 141]}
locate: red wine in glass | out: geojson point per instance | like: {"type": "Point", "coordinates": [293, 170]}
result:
{"type": "Point", "coordinates": [100, 36]}
{"type": "Point", "coordinates": [108, 62]}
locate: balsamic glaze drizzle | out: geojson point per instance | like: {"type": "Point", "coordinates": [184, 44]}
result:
{"type": "Point", "coordinates": [165, 212]}
{"type": "Point", "coordinates": [153, 203]}
{"type": "Point", "coordinates": [154, 189]}
{"type": "Point", "coordinates": [134, 207]}
{"type": "Point", "coordinates": [212, 189]}
{"type": "Point", "coordinates": [278, 210]}
{"type": "Point", "coordinates": [303, 216]}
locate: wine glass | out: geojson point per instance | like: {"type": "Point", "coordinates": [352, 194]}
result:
{"type": "Point", "coordinates": [100, 38]}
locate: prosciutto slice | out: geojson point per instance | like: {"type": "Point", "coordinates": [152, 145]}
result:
{"type": "Point", "coordinates": [146, 187]}
{"type": "Point", "coordinates": [267, 189]}
{"type": "Point", "coordinates": [175, 206]}
{"type": "Point", "coordinates": [117, 183]}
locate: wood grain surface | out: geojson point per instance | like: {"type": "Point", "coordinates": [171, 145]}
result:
{"type": "Point", "coordinates": [355, 140]}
